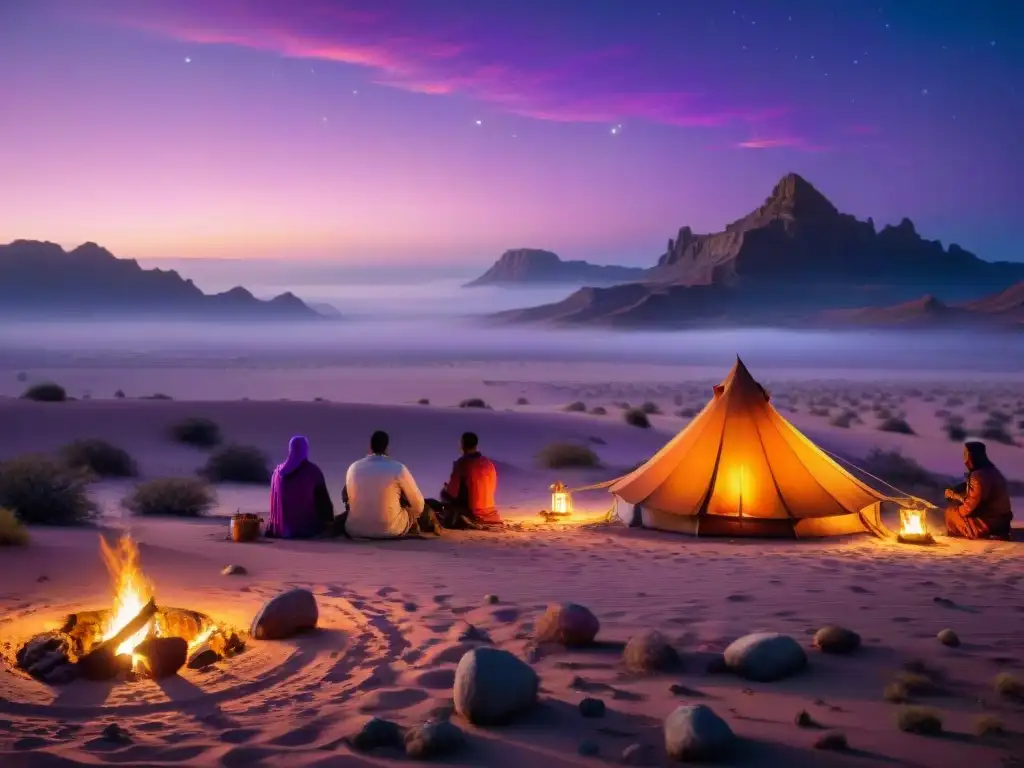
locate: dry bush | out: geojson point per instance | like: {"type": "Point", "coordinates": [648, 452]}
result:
{"type": "Point", "coordinates": [45, 392]}
{"type": "Point", "coordinates": [577, 406]}
{"type": "Point", "coordinates": [822, 413]}
{"type": "Point", "coordinates": [1008, 686]}
{"type": "Point", "coordinates": [473, 402]}
{"type": "Point", "coordinates": [156, 396]}
{"type": "Point", "coordinates": [845, 419]}
{"type": "Point", "coordinates": [953, 402]}
{"type": "Point", "coordinates": [198, 431]}
{"type": "Point", "coordinates": [919, 720]}
{"type": "Point", "coordinates": [99, 458]}
{"type": "Point", "coordinates": [170, 497]}
{"type": "Point", "coordinates": [522, 401]}
{"type": "Point", "coordinates": [423, 401]}
{"type": "Point", "coordinates": [942, 413]}
{"type": "Point", "coordinates": [899, 470]}
{"type": "Point", "coordinates": [833, 740]}
{"type": "Point", "coordinates": [42, 491]}
{"type": "Point", "coordinates": [237, 464]}
{"type": "Point", "coordinates": [988, 725]}
{"type": "Point", "coordinates": [650, 408]}
{"type": "Point", "coordinates": [119, 394]}
{"type": "Point", "coordinates": [896, 424]}
{"type": "Point", "coordinates": [896, 693]}
{"type": "Point", "coordinates": [687, 413]}
{"type": "Point", "coordinates": [955, 431]}
{"type": "Point", "coordinates": [12, 532]}
{"type": "Point", "coordinates": [635, 417]}
{"type": "Point", "coordinates": [565, 455]}
{"type": "Point", "coordinates": [996, 432]}
{"type": "Point", "coordinates": [599, 410]}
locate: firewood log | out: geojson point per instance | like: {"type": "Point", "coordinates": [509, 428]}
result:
{"type": "Point", "coordinates": [101, 663]}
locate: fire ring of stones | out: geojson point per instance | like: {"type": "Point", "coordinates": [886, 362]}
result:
{"type": "Point", "coordinates": [155, 643]}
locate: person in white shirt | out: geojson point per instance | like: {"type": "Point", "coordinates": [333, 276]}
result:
{"type": "Point", "coordinates": [382, 498]}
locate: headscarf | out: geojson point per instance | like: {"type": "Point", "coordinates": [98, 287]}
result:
{"type": "Point", "coordinates": [979, 455]}
{"type": "Point", "coordinates": [298, 452]}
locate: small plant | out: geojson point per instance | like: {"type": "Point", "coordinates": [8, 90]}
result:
{"type": "Point", "coordinates": [882, 413]}
{"type": "Point", "coordinates": [237, 464]}
{"type": "Point", "coordinates": [423, 401]}
{"type": "Point", "coordinates": [22, 376]}
{"type": "Point", "coordinates": [920, 720]}
{"type": "Point", "coordinates": [833, 741]}
{"type": "Point", "coordinates": [1008, 686]}
{"type": "Point", "coordinates": [577, 406]}
{"type": "Point", "coordinates": [953, 402]}
{"type": "Point", "coordinates": [522, 401]}
{"type": "Point", "coordinates": [565, 455]}
{"type": "Point", "coordinates": [896, 424]}
{"type": "Point", "coordinates": [42, 491]}
{"type": "Point", "coordinates": [198, 431]}
{"type": "Point", "coordinates": [635, 417]}
{"type": "Point", "coordinates": [171, 497]}
{"type": "Point", "coordinates": [900, 470]}
{"type": "Point", "coordinates": [896, 693]}
{"type": "Point", "coordinates": [157, 396]}
{"type": "Point", "coordinates": [821, 413]}
{"type": "Point", "coordinates": [99, 458]}
{"type": "Point", "coordinates": [844, 419]}
{"type": "Point", "coordinates": [955, 431]}
{"type": "Point", "coordinates": [12, 532]}
{"type": "Point", "coordinates": [988, 725]}
{"type": "Point", "coordinates": [599, 410]}
{"type": "Point", "coordinates": [996, 432]}
{"type": "Point", "coordinates": [45, 392]}
{"type": "Point", "coordinates": [473, 402]}
{"type": "Point", "coordinates": [119, 394]}
{"type": "Point", "coordinates": [651, 409]}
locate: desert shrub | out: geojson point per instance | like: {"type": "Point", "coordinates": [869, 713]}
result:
{"type": "Point", "coordinates": [1020, 425]}
{"type": "Point", "coordinates": [12, 532]}
{"type": "Point", "coordinates": [237, 464]}
{"type": "Point", "coordinates": [22, 376]}
{"type": "Point", "coordinates": [997, 417]}
{"type": "Point", "coordinates": [651, 409]}
{"type": "Point", "coordinates": [45, 392]}
{"type": "Point", "coordinates": [996, 432]}
{"type": "Point", "coordinates": [119, 394]}
{"type": "Point", "coordinates": [687, 413]}
{"type": "Point", "coordinates": [988, 725]}
{"type": "Point", "coordinates": [473, 402]}
{"type": "Point", "coordinates": [157, 396]}
{"type": "Point", "coordinates": [920, 720]}
{"type": "Point", "coordinates": [577, 406]}
{"type": "Point", "coordinates": [942, 413]}
{"type": "Point", "coordinates": [955, 431]}
{"type": "Point", "coordinates": [902, 471]}
{"type": "Point", "coordinates": [883, 413]}
{"type": "Point", "coordinates": [833, 740]}
{"type": "Point", "coordinates": [896, 424]}
{"type": "Point", "coordinates": [423, 401]}
{"type": "Point", "coordinates": [821, 413]}
{"type": "Point", "coordinates": [198, 431]}
{"type": "Point", "coordinates": [598, 410]}
{"type": "Point", "coordinates": [896, 693]}
{"type": "Point", "coordinates": [564, 455]}
{"type": "Point", "coordinates": [677, 399]}
{"type": "Point", "coordinates": [953, 402]}
{"type": "Point", "coordinates": [170, 496]}
{"type": "Point", "coordinates": [42, 491]}
{"type": "Point", "coordinates": [637, 418]}
{"type": "Point", "coordinates": [1008, 686]}
{"type": "Point", "coordinates": [522, 401]}
{"type": "Point", "coordinates": [844, 419]}
{"type": "Point", "coordinates": [98, 457]}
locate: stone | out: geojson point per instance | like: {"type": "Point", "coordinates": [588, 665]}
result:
{"type": "Point", "coordinates": [569, 624]}
{"type": "Point", "coordinates": [377, 733]}
{"type": "Point", "coordinates": [949, 638]}
{"type": "Point", "coordinates": [649, 652]}
{"type": "Point", "coordinates": [202, 657]}
{"type": "Point", "coordinates": [696, 733]}
{"type": "Point", "coordinates": [589, 748]}
{"type": "Point", "coordinates": [492, 686]}
{"type": "Point", "coordinates": [443, 711]}
{"type": "Point", "coordinates": [491, 599]}
{"type": "Point", "coordinates": [164, 656]}
{"type": "Point", "coordinates": [435, 738]}
{"type": "Point", "coordinates": [833, 639]}
{"type": "Point", "coordinates": [234, 570]}
{"type": "Point", "coordinates": [591, 707]}
{"type": "Point", "coordinates": [474, 634]}
{"type": "Point", "coordinates": [286, 615]}
{"type": "Point", "coordinates": [765, 657]}
{"type": "Point", "coordinates": [636, 754]}
{"type": "Point", "coordinates": [43, 653]}
{"type": "Point", "coordinates": [114, 732]}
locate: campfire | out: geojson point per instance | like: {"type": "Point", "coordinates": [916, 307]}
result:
{"type": "Point", "coordinates": [914, 526]}
{"type": "Point", "coordinates": [133, 638]}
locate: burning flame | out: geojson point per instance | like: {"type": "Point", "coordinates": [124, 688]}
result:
{"type": "Point", "coordinates": [132, 590]}
{"type": "Point", "coordinates": [913, 523]}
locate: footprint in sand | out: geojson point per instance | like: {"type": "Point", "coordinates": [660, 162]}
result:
{"type": "Point", "coordinates": [299, 737]}
{"type": "Point", "coordinates": [392, 699]}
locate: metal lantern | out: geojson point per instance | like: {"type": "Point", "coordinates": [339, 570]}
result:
{"type": "Point", "coordinates": [561, 499]}
{"type": "Point", "coordinates": [914, 526]}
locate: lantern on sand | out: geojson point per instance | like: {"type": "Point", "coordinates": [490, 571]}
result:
{"type": "Point", "coordinates": [914, 526]}
{"type": "Point", "coordinates": [561, 500]}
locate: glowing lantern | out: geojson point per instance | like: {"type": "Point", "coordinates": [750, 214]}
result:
{"type": "Point", "coordinates": [561, 500]}
{"type": "Point", "coordinates": [914, 526]}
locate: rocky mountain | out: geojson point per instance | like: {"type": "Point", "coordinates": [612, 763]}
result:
{"type": "Point", "coordinates": [532, 266]}
{"type": "Point", "coordinates": [789, 261]}
{"type": "Point", "coordinates": [1008, 304]}
{"type": "Point", "coordinates": [41, 279]}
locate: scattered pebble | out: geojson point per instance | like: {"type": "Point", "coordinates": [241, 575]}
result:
{"type": "Point", "coordinates": [833, 639]}
{"type": "Point", "coordinates": [234, 570]}
{"type": "Point", "coordinates": [437, 738]}
{"type": "Point", "coordinates": [116, 733]}
{"type": "Point", "coordinates": [833, 740]}
{"type": "Point", "coordinates": [949, 638]}
{"type": "Point", "coordinates": [377, 733]}
{"type": "Point", "coordinates": [591, 707]}
{"type": "Point", "coordinates": [491, 599]}
{"type": "Point", "coordinates": [804, 720]}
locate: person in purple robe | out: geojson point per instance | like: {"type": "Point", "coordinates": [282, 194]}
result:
{"type": "Point", "coordinates": [300, 505]}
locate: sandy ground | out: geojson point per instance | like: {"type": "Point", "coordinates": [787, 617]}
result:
{"type": "Point", "coordinates": [392, 613]}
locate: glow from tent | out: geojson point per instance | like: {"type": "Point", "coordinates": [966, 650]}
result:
{"type": "Point", "coordinates": [740, 486]}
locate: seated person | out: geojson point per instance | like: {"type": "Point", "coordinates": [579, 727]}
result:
{"type": "Point", "coordinates": [300, 505]}
{"type": "Point", "coordinates": [382, 499]}
{"type": "Point", "coordinates": [982, 510]}
{"type": "Point", "coordinates": [467, 499]}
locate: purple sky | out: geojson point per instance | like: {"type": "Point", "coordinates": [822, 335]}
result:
{"type": "Point", "coordinates": [450, 130]}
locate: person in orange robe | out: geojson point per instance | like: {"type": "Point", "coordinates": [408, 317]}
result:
{"type": "Point", "coordinates": [982, 509]}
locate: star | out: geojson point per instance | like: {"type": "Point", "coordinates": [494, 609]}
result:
{"type": "Point", "coordinates": [854, 61]}
{"type": "Point", "coordinates": [616, 130]}
{"type": "Point", "coordinates": [325, 119]}
{"type": "Point", "coordinates": [479, 122]}
{"type": "Point", "coordinates": [887, 25]}
{"type": "Point", "coordinates": [992, 43]}
{"type": "Point", "coordinates": [924, 91]}
{"type": "Point", "coordinates": [355, 93]}
{"type": "Point", "coordinates": [188, 59]}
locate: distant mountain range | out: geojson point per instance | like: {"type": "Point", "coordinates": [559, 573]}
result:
{"type": "Point", "coordinates": [796, 260]}
{"type": "Point", "coordinates": [533, 266]}
{"type": "Point", "coordinates": [42, 280]}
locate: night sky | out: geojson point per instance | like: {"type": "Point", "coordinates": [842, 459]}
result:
{"type": "Point", "coordinates": [449, 130]}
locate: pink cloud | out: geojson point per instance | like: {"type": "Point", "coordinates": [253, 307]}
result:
{"type": "Point", "coordinates": [439, 58]}
{"type": "Point", "coordinates": [779, 142]}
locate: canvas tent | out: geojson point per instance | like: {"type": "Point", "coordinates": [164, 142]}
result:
{"type": "Point", "coordinates": [740, 469]}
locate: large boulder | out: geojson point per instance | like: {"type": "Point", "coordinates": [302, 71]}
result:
{"type": "Point", "coordinates": [285, 615]}
{"type": "Point", "coordinates": [765, 657]}
{"type": "Point", "coordinates": [697, 734]}
{"type": "Point", "coordinates": [649, 652]}
{"type": "Point", "coordinates": [570, 624]}
{"type": "Point", "coordinates": [493, 686]}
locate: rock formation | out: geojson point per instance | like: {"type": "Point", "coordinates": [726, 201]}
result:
{"type": "Point", "coordinates": [532, 266]}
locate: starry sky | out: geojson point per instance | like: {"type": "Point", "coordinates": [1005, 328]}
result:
{"type": "Point", "coordinates": [445, 131]}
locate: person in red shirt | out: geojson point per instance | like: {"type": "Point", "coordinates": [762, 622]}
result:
{"type": "Point", "coordinates": [467, 499]}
